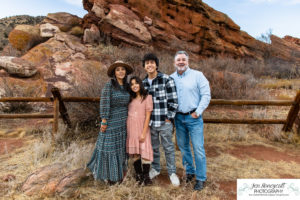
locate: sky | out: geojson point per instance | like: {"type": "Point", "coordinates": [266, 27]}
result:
{"type": "Point", "coordinates": [256, 17]}
{"type": "Point", "coordinates": [40, 7]}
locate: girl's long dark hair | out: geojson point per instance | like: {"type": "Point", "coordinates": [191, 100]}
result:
{"type": "Point", "coordinates": [143, 91]}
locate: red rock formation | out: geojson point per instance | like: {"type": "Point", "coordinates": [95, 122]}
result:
{"type": "Point", "coordinates": [61, 62]}
{"type": "Point", "coordinates": [292, 39]}
{"type": "Point", "coordinates": [23, 37]}
{"type": "Point", "coordinates": [286, 49]}
{"type": "Point", "coordinates": [51, 180]}
{"type": "Point", "coordinates": [181, 24]}
{"type": "Point", "coordinates": [65, 21]}
{"type": "Point", "coordinates": [172, 25]}
{"type": "Point", "coordinates": [64, 61]}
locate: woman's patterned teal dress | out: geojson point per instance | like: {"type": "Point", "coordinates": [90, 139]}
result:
{"type": "Point", "coordinates": [109, 157]}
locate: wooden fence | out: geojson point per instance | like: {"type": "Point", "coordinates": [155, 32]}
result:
{"type": "Point", "coordinates": [59, 109]}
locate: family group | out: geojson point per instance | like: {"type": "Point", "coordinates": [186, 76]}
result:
{"type": "Point", "coordinates": [137, 116]}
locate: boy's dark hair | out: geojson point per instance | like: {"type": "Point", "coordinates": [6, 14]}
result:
{"type": "Point", "coordinates": [151, 56]}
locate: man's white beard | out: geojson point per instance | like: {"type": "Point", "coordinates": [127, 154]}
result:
{"type": "Point", "coordinates": [181, 68]}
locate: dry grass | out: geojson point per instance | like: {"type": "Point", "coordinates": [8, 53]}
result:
{"type": "Point", "coordinates": [39, 151]}
{"type": "Point", "coordinates": [241, 132]}
{"type": "Point", "coordinates": [270, 67]}
{"type": "Point", "coordinates": [293, 84]}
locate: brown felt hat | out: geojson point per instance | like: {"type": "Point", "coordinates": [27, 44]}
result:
{"type": "Point", "coordinates": [119, 63]}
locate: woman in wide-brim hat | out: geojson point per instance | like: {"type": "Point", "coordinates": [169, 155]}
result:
{"type": "Point", "coordinates": [108, 162]}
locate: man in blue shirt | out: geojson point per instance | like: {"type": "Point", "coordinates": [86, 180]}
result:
{"type": "Point", "coordinates": [193, 98]}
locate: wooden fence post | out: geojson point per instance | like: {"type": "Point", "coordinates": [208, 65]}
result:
{"type": "Point", "coordinates": [62, 107]}
{"type": "Point", "coordinates": [55, 116]}
{"type": "Point", "coordinates": [292, 114]}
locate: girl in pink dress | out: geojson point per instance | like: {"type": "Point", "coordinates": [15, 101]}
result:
{"type": "Point", "coordinates": [138, 144]}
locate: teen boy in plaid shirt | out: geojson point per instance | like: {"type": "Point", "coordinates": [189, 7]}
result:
{"type": "Point", "coordinates": [163, 90]}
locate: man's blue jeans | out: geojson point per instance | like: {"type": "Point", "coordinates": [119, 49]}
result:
{"type": "Point", "coordinates": [189, 128]}
{"type": "Point", "coordinates": [163, 134]}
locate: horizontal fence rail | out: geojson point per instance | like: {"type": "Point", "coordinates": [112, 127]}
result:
{"type": "Point", "coordinates": [212, 102]}
{"type": "Point", "coordinates": [245, 121]}
{"type": "Point", "coordinates": [59, 109]}
{"type": "Point", "coordinates": [26, 99]}
{"type": "Point", "coordinates": [25, 116]}
{"type": "Point", "coordinates": [97, 99]}
{"type": "Point", "coordinates": [251, 102]}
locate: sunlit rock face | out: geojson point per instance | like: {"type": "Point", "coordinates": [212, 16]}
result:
{"type": "Point", "coordinates": [178, 24]}
{"type": "Point", "coordinates": [172, 25]}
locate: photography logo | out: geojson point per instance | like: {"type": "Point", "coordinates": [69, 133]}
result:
{"type": "Point", "coordinates": [264, 189]}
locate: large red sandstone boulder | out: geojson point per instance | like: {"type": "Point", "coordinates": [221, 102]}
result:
{"type": "Point", "coordinates": [65, 21]}
{"type": "Point", "coordinates": [38, 179]}
{"type": "Point", "coordinates": [62, 62]}
{"type": "Point", "coordinates": [17, 66]}
{"type": "Point", "coordinates": [23, 37]}
{"type": "Point", "coordinates": [125, 20]}
{"type": "Point", "coordinates": [52, 180]}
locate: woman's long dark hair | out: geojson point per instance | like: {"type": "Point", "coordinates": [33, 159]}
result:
{"type": "Point", "coordinates": [116, 84]}
{"type": "Point", "coordinates": [143, 91]}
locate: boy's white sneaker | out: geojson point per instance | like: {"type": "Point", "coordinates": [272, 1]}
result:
{"type": "Point", "coordinates": [153, 173]}
{"type": "Point", "coordinates": [174, 180]}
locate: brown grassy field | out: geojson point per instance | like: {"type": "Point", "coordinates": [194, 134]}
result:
{"type": "Point", "coordinates": [233, 151]}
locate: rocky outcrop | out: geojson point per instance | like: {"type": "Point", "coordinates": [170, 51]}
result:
{"type": "Point", "coordinates": [172, 25]}
{"type": "Point", "coordinates": [179, 24]}
{"type": "Point", "coordinates": [52, 180]}
{"type": "Point", "coordinates": [67, 59]}
{"type": "Point", "coordinates": [17, 66]}
{"type": "Point", "coordinates": [292, 39]}
{"type": "Point", "coordinates": [23, 37]}
{"type": "Point", "coordinates": [91, 35]}
{"type": "Point", "coordinates": [8, 24]}
{"type": "Point", "coordinates": [287, 49]}
{"type": "Point", "coordinates": [124, 19]}
{"type": "Point", "coordinates": [38, 179]}
{"type": "Point", "coordinates": [61, 62]}
{"type": "Point", "coordinates": [48, 30]}
{"type": "Point", "coordinates": [74, 43]}
{"type": "Point", "coordinates": [64, 21]}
